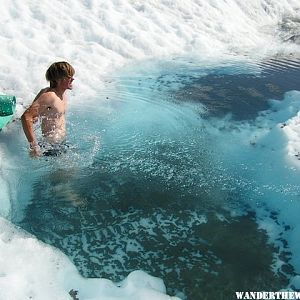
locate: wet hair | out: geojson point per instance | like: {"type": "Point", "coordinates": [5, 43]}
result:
{"type": "Point", "coordinates": [59, 70]}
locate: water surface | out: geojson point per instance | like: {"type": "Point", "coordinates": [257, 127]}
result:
{"type": "Point", "coordinates": [154, 183]}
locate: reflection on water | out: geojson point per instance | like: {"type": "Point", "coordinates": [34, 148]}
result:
{"type": "Point", "coordinates": [155, 195]}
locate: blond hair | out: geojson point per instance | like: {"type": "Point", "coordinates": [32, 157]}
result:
{"type": "Point", "coordinates": [59, 70]}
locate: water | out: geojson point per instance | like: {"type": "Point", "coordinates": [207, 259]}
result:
{"type": "Point", "coordinates": [158, 179]}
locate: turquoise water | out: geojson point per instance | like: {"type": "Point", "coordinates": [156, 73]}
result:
{"type": "Point", "coordinates": [154, 179]}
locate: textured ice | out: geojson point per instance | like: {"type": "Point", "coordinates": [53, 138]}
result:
{"type": "Point", "coordinates": [98, 37]}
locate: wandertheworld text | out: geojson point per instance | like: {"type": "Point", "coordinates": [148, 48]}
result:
{"type": "Point", "coordinates": [267, 295]}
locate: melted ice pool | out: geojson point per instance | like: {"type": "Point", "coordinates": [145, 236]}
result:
{"type": "Point", "coordinates": [178, 169]}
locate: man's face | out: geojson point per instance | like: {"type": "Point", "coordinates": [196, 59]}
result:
{"type": "Point", "coordinates": [67, 82]}
{"type": "Point", "coordinates": [70, 80]}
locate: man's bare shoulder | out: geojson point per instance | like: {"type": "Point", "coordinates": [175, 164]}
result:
{"type": "Point", "coordinates": [46, 96]}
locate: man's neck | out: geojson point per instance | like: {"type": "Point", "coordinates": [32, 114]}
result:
{"type": "Point", "coordinates": [59, 92]}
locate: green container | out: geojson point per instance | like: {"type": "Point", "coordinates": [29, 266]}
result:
{"type": "Point", "coordinates": [7, 105]}
{"type": "Point", "coordinates": [7, 109]}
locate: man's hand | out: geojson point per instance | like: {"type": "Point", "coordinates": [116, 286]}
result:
{"type": "Point", "coordinates": [35, 150]}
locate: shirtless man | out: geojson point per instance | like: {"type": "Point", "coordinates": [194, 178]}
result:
{"type": "Point", "coordinates": [49, 106]}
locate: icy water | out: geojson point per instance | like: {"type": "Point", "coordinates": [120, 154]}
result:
{"type": "Point", "coordinates": [146, 184]}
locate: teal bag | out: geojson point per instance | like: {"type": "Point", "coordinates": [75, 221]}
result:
{"type": "Point", "coordinates": [7, 109]}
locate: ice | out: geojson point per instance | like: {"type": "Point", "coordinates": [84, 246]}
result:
{"type": "Point", "coordinates": [98, 37]}
{"type": "Point", "coordinates": [30, 269]}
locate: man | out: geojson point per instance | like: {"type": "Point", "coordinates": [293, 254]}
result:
{"type": "Point", "coordinates": [49, 106]}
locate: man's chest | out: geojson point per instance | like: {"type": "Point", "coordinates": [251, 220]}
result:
{"type": "Point", "coordinates": [56, 109]}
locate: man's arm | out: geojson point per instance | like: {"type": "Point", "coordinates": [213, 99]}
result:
{"type": "Point", "coordinates": [31, 114]}
{"type": "Point", "coordinates": [28, 118]}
